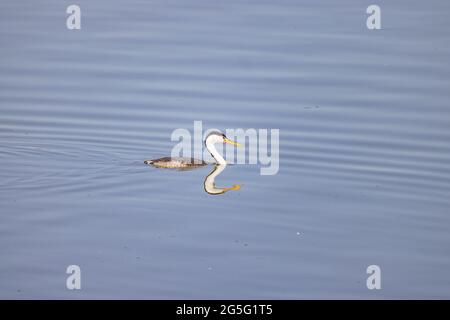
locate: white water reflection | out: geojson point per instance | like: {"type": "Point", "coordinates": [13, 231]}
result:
{"type": "Point", "coordinates": [210, 181]}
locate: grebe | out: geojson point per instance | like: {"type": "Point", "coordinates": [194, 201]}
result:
{"type": "Point", "coordinates": [190, 163]}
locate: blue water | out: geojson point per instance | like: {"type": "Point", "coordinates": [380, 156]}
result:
{"type": "Point", "coordinates": [364, 176]}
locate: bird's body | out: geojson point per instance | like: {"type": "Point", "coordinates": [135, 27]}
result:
{"type": "Point", "coordinates": [176, 163]}
{"type": "Point", "coordinates": [191, 163]}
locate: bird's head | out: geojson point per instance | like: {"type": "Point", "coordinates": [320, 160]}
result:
{"type": "Point", "coordinates": [218, 137]}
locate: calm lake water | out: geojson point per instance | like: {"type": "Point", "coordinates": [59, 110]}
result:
{"type": "Point", "coordinates": [364, 176]}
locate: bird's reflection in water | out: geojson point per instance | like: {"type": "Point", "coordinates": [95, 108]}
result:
{"type": "Point", "coordinates": [210, 181]}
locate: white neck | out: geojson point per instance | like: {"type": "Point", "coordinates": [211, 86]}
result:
{"type": "Point", "coordinates": [216, 155]}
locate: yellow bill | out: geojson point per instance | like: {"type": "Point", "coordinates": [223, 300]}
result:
{"type": "Point", "coordinates": [226, 140]}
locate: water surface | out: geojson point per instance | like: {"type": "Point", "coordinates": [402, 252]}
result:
{"type": "Point", "coordinates": [364, 123]}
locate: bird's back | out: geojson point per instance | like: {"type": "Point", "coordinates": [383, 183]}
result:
{"type": "Point", "coordinates": [176, 162]}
